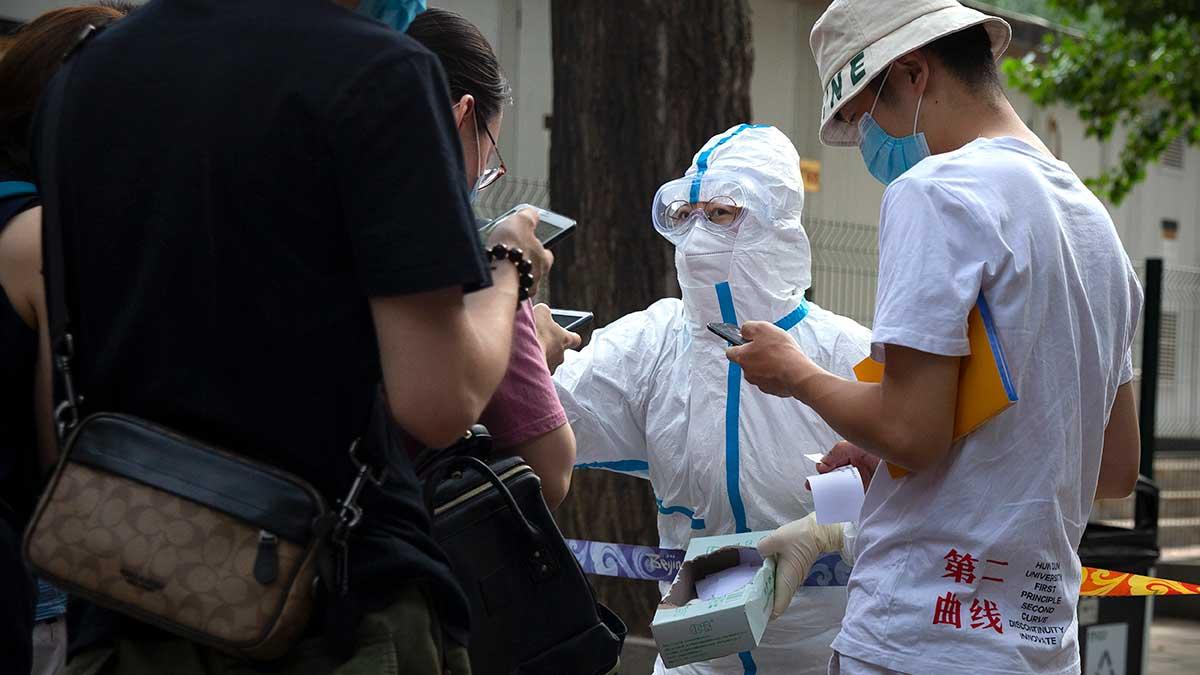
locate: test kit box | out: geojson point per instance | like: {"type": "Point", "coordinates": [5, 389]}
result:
{"type": "Point", "coordinates": [719, 603]}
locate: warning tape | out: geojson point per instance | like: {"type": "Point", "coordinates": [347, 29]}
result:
{"type": "Point", "coordinates": [1098, 582]}
{"type": "Point", "coordinates": [649, 563]}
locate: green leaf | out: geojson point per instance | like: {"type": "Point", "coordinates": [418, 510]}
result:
{"type": "Point", "coordinates": [1133, 70]}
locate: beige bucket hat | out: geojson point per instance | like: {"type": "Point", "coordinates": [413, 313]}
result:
{"type": "Point", "coordinates": [855, 40]}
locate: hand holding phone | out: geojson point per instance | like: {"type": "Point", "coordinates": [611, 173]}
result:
{"type": "Point", "coordinates": [571, 319]}
{"type": "Point", "coordinates": [517, 229]}
{"type": "Point", "coordinates": [551, 227]}
{"type": "Point", "coordinates": [554, 338]}
{"type": "Point", "coordinates": [728, 332]}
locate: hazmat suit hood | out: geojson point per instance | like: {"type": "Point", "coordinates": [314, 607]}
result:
{"type": "Point", "coordinates": [768, 263]}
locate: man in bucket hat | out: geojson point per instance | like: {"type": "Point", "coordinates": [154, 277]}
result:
{"type": "Point", "coordinates": [967, 563]}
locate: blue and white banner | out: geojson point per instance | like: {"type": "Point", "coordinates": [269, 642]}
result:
{"type": "Point", "coordinates": [648, 563]}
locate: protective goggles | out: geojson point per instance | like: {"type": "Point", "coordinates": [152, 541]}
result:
{"type": "Point", "coordinates": [718, 201]}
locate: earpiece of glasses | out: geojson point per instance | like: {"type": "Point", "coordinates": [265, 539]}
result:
{"type": "Point", "coordinates": [491, 174]}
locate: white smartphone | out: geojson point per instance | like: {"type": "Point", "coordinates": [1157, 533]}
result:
{"type": "Point", "coordinates": [571, 319]}
{"type": "Point", "coordinates": [551, 227]}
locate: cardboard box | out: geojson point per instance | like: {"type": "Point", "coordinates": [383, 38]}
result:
{"type": "Point", "coordinates": [688, 629]}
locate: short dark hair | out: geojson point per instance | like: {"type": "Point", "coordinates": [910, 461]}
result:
{"type": "Point", "coordinates": [31, 57]}
{"type": "Point", "coordinates": [470, 64]}
{"type": "Point", "coordinates": [967, 54]}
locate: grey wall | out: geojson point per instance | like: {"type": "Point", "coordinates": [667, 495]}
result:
{"type": "Point", "coordinates": [24, 10]}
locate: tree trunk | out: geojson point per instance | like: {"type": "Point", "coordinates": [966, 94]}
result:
{"type": "Point", "coordinates": [639, 85]}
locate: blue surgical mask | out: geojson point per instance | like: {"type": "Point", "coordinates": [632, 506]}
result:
{"type": "Point", "coordinates": [395, 13]}
{"type": "Point", "coordinates": [886, 156]}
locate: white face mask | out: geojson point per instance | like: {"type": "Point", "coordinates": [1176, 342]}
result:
{"type": "Point", "coordinates": [702, 260]}
{"type": "Point", "coordinates": [705, 258]}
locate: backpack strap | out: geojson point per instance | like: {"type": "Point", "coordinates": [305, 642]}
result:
{"type": "Point", "coordinates": [54, 263]}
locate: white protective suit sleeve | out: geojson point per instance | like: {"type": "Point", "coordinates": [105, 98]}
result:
{"type": "Point", "coordinates": [605, 388]}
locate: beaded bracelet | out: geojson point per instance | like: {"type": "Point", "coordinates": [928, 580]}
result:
{"type": "Point", "coordinates": [524, 267]}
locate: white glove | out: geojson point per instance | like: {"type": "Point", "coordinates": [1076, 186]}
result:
{"type": "Point", "coordinates": [797, 546]}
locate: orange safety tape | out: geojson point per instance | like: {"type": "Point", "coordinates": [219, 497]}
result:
{"type": "Point", "coordinates": [1098, 582]}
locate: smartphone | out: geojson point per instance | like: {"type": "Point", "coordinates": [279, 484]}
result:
{"type": "Point", "coordinates": [571, 319]}
{"type": "Point", "coordinates": [729, 333]}
{"type": "Point", "coordinates": [551, 228]}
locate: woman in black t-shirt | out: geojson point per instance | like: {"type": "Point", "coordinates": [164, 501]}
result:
{"type": "Point", "coordinates": [32, 635]}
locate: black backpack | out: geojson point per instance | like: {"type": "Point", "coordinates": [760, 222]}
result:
{"type": "Point", "coordinates": [533, 612]}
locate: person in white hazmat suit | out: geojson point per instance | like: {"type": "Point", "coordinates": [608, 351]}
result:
{"type": "Point", "coordinates": [653, 394]}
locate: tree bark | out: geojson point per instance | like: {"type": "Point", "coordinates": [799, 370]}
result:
{"type": "Point", "coordinates": [639, 85]}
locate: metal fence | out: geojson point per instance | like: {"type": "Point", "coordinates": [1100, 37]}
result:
{"type": "Point", "coordinates": [509, 192]}
{"type": "Point", "coordinates": [845, 267]}
{"type": "Point", "coordinates": [1177, 431]}
{"type": "Point", "coordinates": [1178, 415]}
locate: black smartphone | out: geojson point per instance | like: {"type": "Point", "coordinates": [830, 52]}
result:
{"type": "Point", "coordinates": [551, 228]}
{"type": "Point", "coordinates": [571, 319]}
{"type": "Point", "coordinates": [728, 332]}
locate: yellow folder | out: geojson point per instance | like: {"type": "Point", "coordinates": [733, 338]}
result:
{"type": "Point", "coordinates": [985, 388]}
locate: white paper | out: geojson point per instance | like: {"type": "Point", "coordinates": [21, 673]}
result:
{"type": "Point", "coordinates": [726, 581]}
{"type": "Point", "coordinates": [837, 495]}
{"type": "Point", "coordinates": [816, 457]}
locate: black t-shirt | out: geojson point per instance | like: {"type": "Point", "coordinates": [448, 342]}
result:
{"type": "Point", "coordinates": [241, 177]}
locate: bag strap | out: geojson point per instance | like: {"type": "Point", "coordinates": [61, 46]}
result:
{"type": "Point", "coordinates": [54, 261]}
{"type": "Point", "coordinates": [477, 442]}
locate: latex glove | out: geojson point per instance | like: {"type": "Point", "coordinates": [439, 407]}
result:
{"type": "Point", "coordinates": [797, 546]}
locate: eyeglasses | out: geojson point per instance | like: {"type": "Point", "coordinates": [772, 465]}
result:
{"type": "Point", "coordinates": [495, 169]}
{"type": "Point", "coordinates": [718, 201]}
{"type": "Point", "coordinates": [717, 210]}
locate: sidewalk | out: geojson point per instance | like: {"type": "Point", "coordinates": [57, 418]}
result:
{"type": "Point", "coordinates": [1174, 650]}
{"type": "Point", "coordinates": [1174, 647]}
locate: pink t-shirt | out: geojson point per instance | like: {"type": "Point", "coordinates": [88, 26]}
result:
{"type": "Point", "coordinates": [526, 405]}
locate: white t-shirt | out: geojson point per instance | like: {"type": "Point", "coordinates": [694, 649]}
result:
{"type": "Point", "coordinates": [971, 566]}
